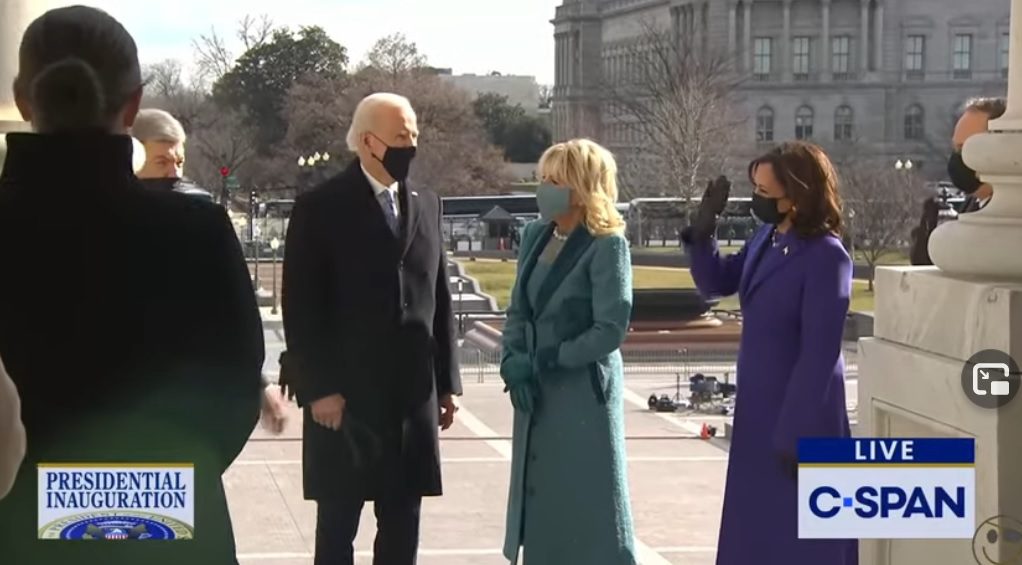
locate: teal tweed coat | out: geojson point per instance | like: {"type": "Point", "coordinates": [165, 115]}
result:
{"type": "Point", "coordinates": [568, 502]}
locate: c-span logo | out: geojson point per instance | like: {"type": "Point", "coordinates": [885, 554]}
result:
{"type": "Point", "coordinates": [887, 488]}
{"type": "Point", "coordinates": [116, 502]}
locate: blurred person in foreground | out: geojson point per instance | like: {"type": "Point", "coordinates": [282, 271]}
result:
{"type": "Point", "coordinates": [570, 309]}
{"type": "Point", "coordinates": [129, 324]}
{"type": "Point", "coordinates": [163, 138]}
{"type": "Point", "coordinates": [371, 343]}
{"type": "Point", "coordinates": [975, 119]}
{"type": "Point", "coordinates": [794, 281]}
{"type": "Point", "coordinates": [12, 433]}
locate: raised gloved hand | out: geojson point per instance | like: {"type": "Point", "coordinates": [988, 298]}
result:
{"type": "Point", "coordinates": [710, 208]}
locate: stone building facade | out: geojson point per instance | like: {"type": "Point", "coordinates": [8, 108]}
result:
{"type": "Point", "coordinates": [884, 78]}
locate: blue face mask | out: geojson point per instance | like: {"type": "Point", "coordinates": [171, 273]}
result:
{"type": "Point", "coordinates": [553, 201]}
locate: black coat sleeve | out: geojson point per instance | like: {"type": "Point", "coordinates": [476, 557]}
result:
{"type": "Point", "coordinates": [448, 375]}
{"type": "Point", "coordinates": [229, 339]}
{"type": "Point", "coordinates": [312, 363]}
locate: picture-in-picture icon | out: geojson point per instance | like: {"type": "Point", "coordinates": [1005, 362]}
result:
{"type": "Point", "coordinates": [992, 377]}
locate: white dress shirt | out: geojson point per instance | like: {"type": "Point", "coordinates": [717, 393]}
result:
{"type": "Point", "coordinates": [12, 433]}
{"type": "Point", "coordinates": [379, 188]}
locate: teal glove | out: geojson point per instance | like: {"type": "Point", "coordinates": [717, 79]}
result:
{"type": "Point", "coordinates": [516, 370]}
{"type": "Point", "coordinates": [524, 396]}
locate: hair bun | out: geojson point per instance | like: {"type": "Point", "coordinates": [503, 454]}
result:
{"type": "Point", "coordinates": [67, 95]}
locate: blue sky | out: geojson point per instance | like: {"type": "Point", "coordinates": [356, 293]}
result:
{"type": "Point", "coordinates": [470, 36]}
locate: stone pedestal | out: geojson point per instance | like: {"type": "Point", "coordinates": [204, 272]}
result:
{"type": "Point", "coordinates": [15, 15]}
{"type": "Point", "coordinates": [927, 325]}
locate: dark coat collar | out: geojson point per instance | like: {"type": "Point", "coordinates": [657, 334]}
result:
{"type": "Point", "coordinates": [69, 161]}
{"type": "Point", "coordinates": [408, 201]}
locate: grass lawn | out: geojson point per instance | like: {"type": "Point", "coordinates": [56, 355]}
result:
{"type": "Point", "coordinates": [497, 278]}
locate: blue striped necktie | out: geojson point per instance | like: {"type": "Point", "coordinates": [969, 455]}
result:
{"type": "Point", "coordinates": [388, 211]}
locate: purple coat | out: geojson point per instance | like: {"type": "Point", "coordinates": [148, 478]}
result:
{"type": "Point", "coordinates": [794, 298]}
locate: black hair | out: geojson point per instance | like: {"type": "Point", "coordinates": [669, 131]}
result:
{"type": "Point", "coordinates": [77, 68]}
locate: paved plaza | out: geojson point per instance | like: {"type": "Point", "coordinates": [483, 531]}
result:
{"type": "Point", "coordinates": [677, 483]}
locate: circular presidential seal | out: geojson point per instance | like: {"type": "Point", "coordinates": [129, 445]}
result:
{"type": "Point", "coordinates": [116, 525]}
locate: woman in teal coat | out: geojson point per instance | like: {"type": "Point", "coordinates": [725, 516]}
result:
{"type": "Point", "coordinates": [568, 502]}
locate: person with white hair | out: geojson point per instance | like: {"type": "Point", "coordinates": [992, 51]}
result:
{"type": "Point", "coordinates": [12, 433]}
{"type": "Point", "coordinates": [163, 138]}
{"type": "Point", "coordinates": [371, 344]}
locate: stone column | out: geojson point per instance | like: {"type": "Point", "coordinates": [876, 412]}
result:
{"type": "Point", "coordinates": [702, 23]}
{"type": "Point", "coordinates": [911, 380]}
{"type": "Point", "coordinates": [732, 30]}
{"type": "Point", "coordinates": [985, 243]}
{"type": "Point", "coordinates": [864, 36]}
{"type": "Point", "coordinates": [827, 55]}
{"type": "Point", "coordinates": [786, 51]}
{"type": "Point", "coordinates": [15, 15]}
{"type": "Point", "coordinates": [747, 34]}
{"type": "Point", "coordinates": [878, 37]}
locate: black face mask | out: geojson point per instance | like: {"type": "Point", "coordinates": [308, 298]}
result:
{"type": "Point", "coordinates": [396, 160]}
{"type": "Point", "coordinates": [961, 175]}
{"type": "Point", "coordinates": [765, 209]}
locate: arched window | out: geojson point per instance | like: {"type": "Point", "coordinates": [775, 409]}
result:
{"type": "Point", "coordinates": [843, 119]}
{"type": "Point", "coordinates": [804, 123]}
{"type": "Point", "coordinates": [764, 125]}
{"type": "Point", "coordinates": [914, 122]}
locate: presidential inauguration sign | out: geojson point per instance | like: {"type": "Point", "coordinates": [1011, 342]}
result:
{"type": "Point", "coordinates": [887, 488]}
{"type": "Point", "coordinates": [116, 502]}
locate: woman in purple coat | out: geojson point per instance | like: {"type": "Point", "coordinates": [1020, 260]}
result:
{"type": "Point", "coordinates": [793, 279]}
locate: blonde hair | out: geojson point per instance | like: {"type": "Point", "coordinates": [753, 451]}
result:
{"type": "Point", "coordinates": [591, 172]}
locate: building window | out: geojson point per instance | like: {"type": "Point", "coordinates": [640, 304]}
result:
{"type": "Point", "coordinates": [843, 123]}
{"type": "Point", "coordinates": [915, 48]}
{"type": "Point", "coordinates": [762, 50]}
{"type": "Point", "coordinates": [1003, 42]}
{"type": "Point", "coordinates": [961, 63]}
{"type": "Point", "coordinates": [800, 58]}
{"type": "Point", "coordinates": [804, 123]}
{"type": "Point", "coordinates": [764, 125]}
{"type": "Point", "coordinates": [914, 122]}
{"type": "Point", "coordinates": [841, 47]}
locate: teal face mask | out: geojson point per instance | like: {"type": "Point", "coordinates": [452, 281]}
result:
{"type": "Point", "coordinates": [553, 201]}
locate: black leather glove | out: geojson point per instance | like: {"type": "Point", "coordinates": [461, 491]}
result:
{"type": "Point", "coordinates": [920, 255]}
{"type": "Point", "coordinates": [286, 379]}
{"type": "Point", "coordinates": [710, 207]}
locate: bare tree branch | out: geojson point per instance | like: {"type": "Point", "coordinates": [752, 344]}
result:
{"type": "Point", "coordinates": [253, 32]}
{"type": "Point", "coordinates": [881, 204]}
{"type": "Point", "coordinates": [678, 102]}
{"type": "Point", "coordinates": [212, 57]}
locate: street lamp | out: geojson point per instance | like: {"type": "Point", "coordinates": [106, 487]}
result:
{"type": "Point", "coordinates": [274, 245]}
{"type": "Point", "coordinates": [309, 163]}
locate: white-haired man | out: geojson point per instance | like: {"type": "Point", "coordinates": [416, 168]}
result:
{"type": "Point", "coordinates": [163, 138]}
{"type": "Point", "coordinates": [371, 338]}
